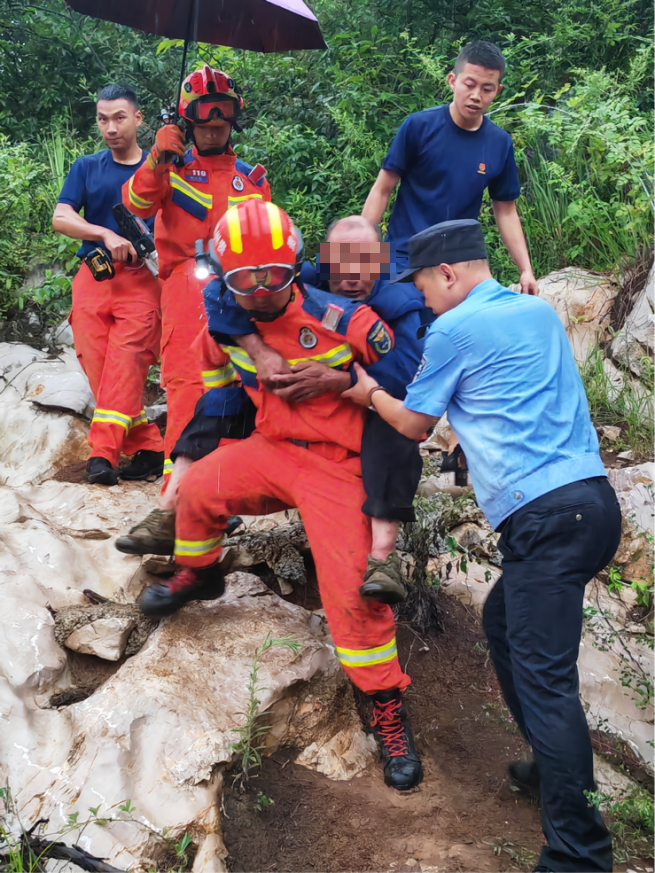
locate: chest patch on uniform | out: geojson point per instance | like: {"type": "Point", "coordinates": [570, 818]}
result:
{"type": "Point", "coordinates": [332, 316]}
{"type": "Point", "coordinates": [307, 338]}
{"type": "Point", "coordinates": [379, 338]}
{"type": "Point", "coordinates": [196, 176]}
{"type": "Point", "coordinates": [238, 183]}
{"type": "Point", "coordinates": [482, 169]}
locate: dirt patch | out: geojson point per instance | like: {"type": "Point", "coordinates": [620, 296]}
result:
{"type": "Point", "coordinates": [463, 817]}
{"type": "Point", "coordinates": [71, 473]}
{"type": "Point", "coordinates": [88, 673]}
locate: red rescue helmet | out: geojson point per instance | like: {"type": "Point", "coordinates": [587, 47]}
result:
{"type": "Point", "coordinates": [209, 94]}
{"type": "Point", "coordinates": [258, 247]}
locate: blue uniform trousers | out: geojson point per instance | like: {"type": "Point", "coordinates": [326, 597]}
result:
{"type": "Point", "coordinates": [532, 618]}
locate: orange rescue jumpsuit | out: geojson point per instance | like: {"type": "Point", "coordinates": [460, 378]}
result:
{"type": "Point", "coordinates": [116, 329]}
{"type": "Point", "coordinates": [188, 200]}
{"type": "Point", "coordinates": [304, 455]}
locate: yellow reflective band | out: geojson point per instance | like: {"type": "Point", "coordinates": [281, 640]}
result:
{"type": "Point", "coordinates": [110, 416]}
{"type": "Point", "coordinates": [141, 418]}
{"type": "Point", "coordinates": [239, 358]}
{"type": "Point", "coordinates": [192, 548]}
{"type": "Point", "coordinates": [276, 225]}
{"type": "Point", "coordinates": [168, 467]}
{"type": "Point", "coordinates": [179, 184]}
{"type": "Point", "coordinates": [234, 230]}
{"type": "Point", "coordinates": [334, 358]}
{"type": "Point", "coordinates": [218, 378]}
{"type": "Point", "coordinates": [234, 201]}
{"type": "Point", "coordinates": [368, 657]}
{"type": "Point", "coordinates": [135, 200]}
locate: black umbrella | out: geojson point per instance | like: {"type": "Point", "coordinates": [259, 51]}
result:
{"type": "Point", "coordinates": [258, 25]}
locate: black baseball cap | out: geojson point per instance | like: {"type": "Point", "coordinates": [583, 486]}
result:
{"type": "Point", "coordinates": [449, 242]}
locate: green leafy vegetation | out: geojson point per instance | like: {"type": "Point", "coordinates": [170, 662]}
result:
{"type": "Point", "coordinates": [631, 818]}
{"type": "Point", "coordinates": [249, 746]}
{"type": "Point", "coordinates": [577, 99]}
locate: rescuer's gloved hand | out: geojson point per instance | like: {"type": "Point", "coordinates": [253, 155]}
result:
{"type": "Point", "coordinates": [169, 144]}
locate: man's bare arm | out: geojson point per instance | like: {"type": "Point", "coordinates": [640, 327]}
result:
{"type": "Point", "coordinates": [405, 421]}
{"type": "Point", "coordinates": [378, 197]}
{"type": "Point", "coordinates": [70, 223]}
{"type": "Point", "coordinates": [509, 225]}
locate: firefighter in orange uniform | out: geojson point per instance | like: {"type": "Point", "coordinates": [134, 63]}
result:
{"type": "Point", "coordinates": [300, 454]}
{"type": "Point", "coordinates": [190, 189]}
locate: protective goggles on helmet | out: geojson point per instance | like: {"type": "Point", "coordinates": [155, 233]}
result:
{"type": "Point", "coordinates": [212, 107]}
{"type": "Point", "coordinates": [267, 279]}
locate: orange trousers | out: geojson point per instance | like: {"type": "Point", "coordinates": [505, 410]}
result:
{"type": "Point", "coordinates": [116, 329]}
{"type": "Point", "coordinates": [182, 319]}
{"type": "Point", "coordinates": [257, 476]}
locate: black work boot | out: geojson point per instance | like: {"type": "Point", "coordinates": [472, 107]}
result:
{"type": "Point", "coordinates": [383, 580]}
{"type": "Point", "coordinates": [165, 598]}
{"type": "Point", "coordinates": [155, 535]}
{"type": "Point", "coordinates": [144, 465]}
{"type": "Point", "coordinates": [99, 471]}
{"type": "Point", "coordinates": [402, 765]}
{"type": "Point", "coordinates": [523, 777]}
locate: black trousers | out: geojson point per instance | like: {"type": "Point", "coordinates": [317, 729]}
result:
{"type": "Point", "coordinates": [391, 463]}
{"type": "Point", "coordinates": [532, 618]}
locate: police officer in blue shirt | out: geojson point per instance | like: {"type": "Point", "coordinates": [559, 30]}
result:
{"type": "Point", "coordinates": [445, 157]}
{"type": "Point", "coordinates": [500, 363]}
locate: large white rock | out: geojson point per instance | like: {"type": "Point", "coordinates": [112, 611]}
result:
{"type": "Point", "coordinates": [583, 301]}
{"type": "Point", "coordinates": [105, 637]}
{"type": "Point", "coordinates": [636, 339]}
{"type": "Point", "coordinates": [36, 442]}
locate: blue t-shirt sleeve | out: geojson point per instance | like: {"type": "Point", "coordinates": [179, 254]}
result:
{"type": "Point", "coordinates": [73, 191]}
{"type": "Point", "coordinates": [437, 377]}
{"type": "Point", "coordinates": [402, 153]}
{"type": "Point", "coordinates": [506, 185]}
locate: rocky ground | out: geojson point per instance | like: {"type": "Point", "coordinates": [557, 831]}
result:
{"type": "Point", "coordinates": [137, 727]}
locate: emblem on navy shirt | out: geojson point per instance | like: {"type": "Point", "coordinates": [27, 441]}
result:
{"type": "Point", "coordinates": [379, 338]}
{"type": "Point", "coordinates": [482, 169]}
{"type": "Point", "coordinates": [307, 338]}
{"type": "Point", "coordinates": [237, 183]}
{"type": "Point", "coordinates": [196, 176]}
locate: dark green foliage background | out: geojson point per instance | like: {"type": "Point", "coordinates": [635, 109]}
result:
{"type": "Point", "coordinates": [321, 122]}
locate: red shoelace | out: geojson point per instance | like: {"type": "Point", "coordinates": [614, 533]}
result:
{"type": "Point", "coordinates": [386, 718]}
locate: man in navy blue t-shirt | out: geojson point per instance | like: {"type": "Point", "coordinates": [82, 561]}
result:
{"type": "Point", "coordinates": [446, 156]}
{"type": "Point", "coordinates": [116, 323]}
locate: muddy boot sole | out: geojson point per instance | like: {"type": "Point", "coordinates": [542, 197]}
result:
{"type": "Point", "coordinates": [383, 589]}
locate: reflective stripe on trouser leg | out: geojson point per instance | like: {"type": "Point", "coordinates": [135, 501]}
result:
{"type": "Point", "coordinates": [368, 657]}
{"type": "Point", "coordinates": [197, 548]}
{"type": "Point", "coordinates": [111, 416]}
{"type": "Point", "coordinates": [143, 435]}
{"type": "Point", "coordinates": [234, 479]}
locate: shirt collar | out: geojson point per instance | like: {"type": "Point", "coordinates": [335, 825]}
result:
{"type": "Point", "coordinates": [483, 287]}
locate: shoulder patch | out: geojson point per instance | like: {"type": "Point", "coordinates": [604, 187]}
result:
{"type": "Point", "coordinates": [379, 338]}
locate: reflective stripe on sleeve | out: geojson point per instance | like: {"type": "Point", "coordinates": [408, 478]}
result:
{"type": "Point", "coordinates": [240, 359]}
{"type": "Point", "coordinates": [368, 657]}
{"type": "Point", "coordinates": [110, 416]}
{"type": "Point", "coordinates": [168, 467]}
{"type": "Point", "coordinates": [135, 200]}
{"type": "Point", "coordinates": [219, 378]}
{"type": "Point", "coordinates": [334, 358]}
{"type": "Point", "coordinates": [193, 548]}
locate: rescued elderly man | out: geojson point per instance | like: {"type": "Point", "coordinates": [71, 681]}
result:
{"type": "Point", "coordinates": [500, 363]}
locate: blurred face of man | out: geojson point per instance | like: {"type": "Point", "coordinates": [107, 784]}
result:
{"type": "Point", "coordinates": [473, 88]}
{"type": "Point", "coordinates": [356, 258]}
{"type": "Point", "coordinates": [117, 122]}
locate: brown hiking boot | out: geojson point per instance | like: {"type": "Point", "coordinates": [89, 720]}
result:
{"type": "Point", "coordinates": [155, 535]}
{"type": "Point", "coordinates": [383, 580]}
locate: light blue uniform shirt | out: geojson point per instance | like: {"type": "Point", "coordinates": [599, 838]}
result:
{"type": "Point", "coordinates": [501, 365]}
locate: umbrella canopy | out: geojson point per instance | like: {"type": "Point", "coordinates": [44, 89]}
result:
{"type": "Point", "coordinates": [258, 25]}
